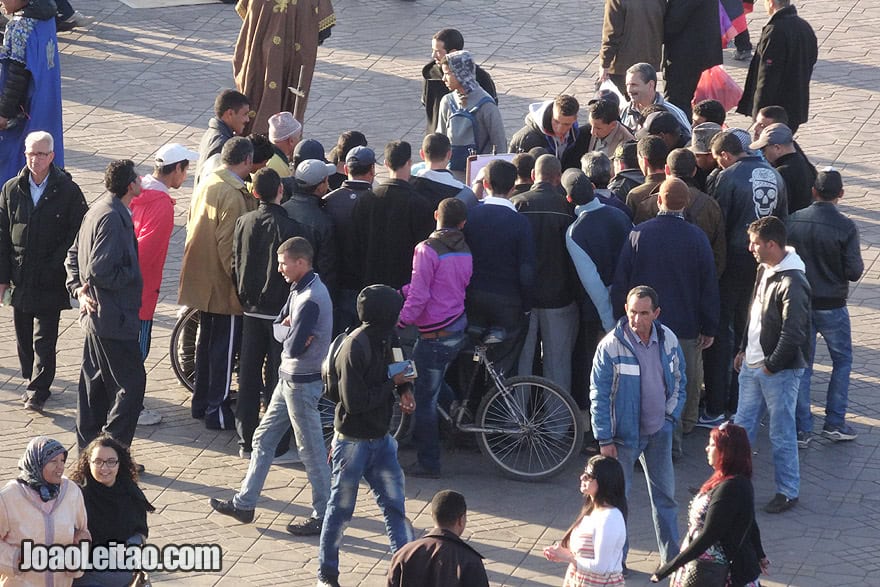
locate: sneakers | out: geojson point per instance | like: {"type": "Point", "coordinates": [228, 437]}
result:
{"type": "Point", "coordinates": [779, 504]}
{"type": "Point", "coordinates": [325, 582]}
{"type": "Point", "coordinates": [291, 457]}
{"type": "Point", "coordinates": [311, 527]}
{"type": "Point", "coordinates": [839, 433]}
{"type": "Point", "coordinates": [804, 439]}
{"type": "Point", "coordinates": [707, 420]}
{"type": "Point", "coordinates": [34, 405]}
{"type": "Point", "coordinates": [228, 509]}
{"type": "Point", "coordinates": [149, 418]}
{"type": "Point", "coordinates": [742, 55]}
{"type": "Point", "coordinates": [417, 470]}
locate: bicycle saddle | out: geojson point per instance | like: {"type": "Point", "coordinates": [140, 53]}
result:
{"type": "Point", "coordinates": [487, 335]}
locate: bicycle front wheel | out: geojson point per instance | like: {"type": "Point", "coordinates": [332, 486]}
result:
{"type": "Point", "coordinates": [533, 428]}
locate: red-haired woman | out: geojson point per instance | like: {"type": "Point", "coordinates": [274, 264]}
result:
{"type": "Point", "coordinates": [723, 544]}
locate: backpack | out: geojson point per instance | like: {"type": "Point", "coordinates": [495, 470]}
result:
{"type": "Point", "coordinates": [462, 132]}
{"type": "Point", "coordinates": [329, 375]}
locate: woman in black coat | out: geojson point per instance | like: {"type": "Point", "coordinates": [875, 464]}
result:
{"type": "Point", "coordinates": [723, 536]}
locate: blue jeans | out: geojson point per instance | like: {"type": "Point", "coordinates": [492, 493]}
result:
{"type": "Point", "coordinates": [376, 462]}
{"type": "Point", "coordinates": [432, 357]}
{"type": "Point", "coordinates": [654, 452]}
{"type": "Point", "coordinates": [779, 391]}
{"type": "Point", "coordinates": [297, 404]}
{"type": "Point", "coordinates": [835, 329]}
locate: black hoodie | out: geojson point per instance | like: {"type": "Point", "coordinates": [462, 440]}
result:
{"type": "Point", "coordinates": [366, 393]}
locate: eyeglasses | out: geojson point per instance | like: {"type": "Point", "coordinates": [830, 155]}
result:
{"type": "Point", "coordinates": [37, 155]}
{"type": "Point", "coordinates": [111, 463]}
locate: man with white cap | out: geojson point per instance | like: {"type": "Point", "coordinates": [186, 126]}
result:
{"type": "Point", "coordinates": [153, 215]}
{"type": "Point", "coordinates": [304, 206]}
{"type": "Point", "coordinates": [285, 132]}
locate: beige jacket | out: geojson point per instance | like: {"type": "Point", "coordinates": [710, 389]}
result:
{"type": "Point", "coordinates": [206, 279]}
{"type": "Point", "coordinates": [22, 517]}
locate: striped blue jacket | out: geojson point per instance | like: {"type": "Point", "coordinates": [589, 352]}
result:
{"type": "Point", "coordinates": [615, 389]}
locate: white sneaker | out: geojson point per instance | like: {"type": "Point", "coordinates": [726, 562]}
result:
{"type": "Point", "coordinates": [245, 454]}
{"type": "Point", "coordinates": [78, 19]}
{"type": "Point", "coordinates": [149, 418]}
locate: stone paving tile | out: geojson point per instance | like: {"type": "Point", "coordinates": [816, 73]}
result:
{"type": "Point", "coordinates": [135, 79]}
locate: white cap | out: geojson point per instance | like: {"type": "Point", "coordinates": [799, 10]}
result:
{"type": "Point", "coordinates": [174, 153]}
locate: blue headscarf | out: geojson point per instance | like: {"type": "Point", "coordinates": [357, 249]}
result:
{"type": "Point", "coordinates": [39, 451]}
{"type": "Point", "coordinates": [462, 66]}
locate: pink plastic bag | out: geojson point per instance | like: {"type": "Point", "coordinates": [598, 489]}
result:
{"type": "Point", "coordinates": [716, 84]}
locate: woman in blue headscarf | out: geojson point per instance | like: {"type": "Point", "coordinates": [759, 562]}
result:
{"type": "Point", "coordinates": [43, 506]}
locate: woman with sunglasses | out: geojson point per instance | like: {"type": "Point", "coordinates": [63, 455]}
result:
{"type": "Point", "coordinates": [723, 544]}
{"type": "Point", "coordinates": [593, 545]}
{"type": "Point", "coordinates": [116, 506]}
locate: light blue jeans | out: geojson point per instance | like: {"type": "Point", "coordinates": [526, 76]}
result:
{"type": "Point", "coordinates": [376, 462]}
{"type": "Point", "coordinates": [834, 326]}
{"type": "Point", "coordinates": [296, 404]}
{"type": "Point", "coordinates": [654, 452]}
{"type": "Point", "coordinates": [779, 391]}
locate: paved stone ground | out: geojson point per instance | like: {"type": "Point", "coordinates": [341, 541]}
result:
{"type": "Point", "coordinates": [135, 79]}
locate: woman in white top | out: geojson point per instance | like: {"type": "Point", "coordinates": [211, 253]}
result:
{"type": "Point", "coordinates": [593, 545]}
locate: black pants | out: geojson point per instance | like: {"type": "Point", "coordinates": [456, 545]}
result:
{"type": "Point", "coordinates": [681, 83]}
{"type": "Point", "coordinates": [485, 309]}
{"type": "Point", "coordinates": [742, 41]}
{"type": "Point", "coordinates": [111, 389]}
{"type": "Point", "coordinates": [36, 336]}
{"type": "Point", "coordinates": [589, 335]}
{"type": "Point", "coordinates": [721, 381]}
{"type": "Point", "coordinates": [257, 378]}
{"type": "Point", "coordinates": [216, 347]}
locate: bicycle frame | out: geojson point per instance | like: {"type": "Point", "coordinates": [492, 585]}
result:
{"type": "Point", "coordinates": [498, 379]}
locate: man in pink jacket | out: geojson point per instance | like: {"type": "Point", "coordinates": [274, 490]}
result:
{"type": "Point", "coordinates": [153, 216]}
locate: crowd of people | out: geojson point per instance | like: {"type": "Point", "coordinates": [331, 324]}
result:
{"type": "Point", "coordinates": [570, 240]}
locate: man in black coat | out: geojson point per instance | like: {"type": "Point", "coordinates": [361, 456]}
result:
{"type": "Point", "coordinates": [40, 213]}
{"type": "Point", "coordinates": [692, 44]}
{"type": "Point", "coordinates": [440, 558]}
{"type": "Point", "coordinates": [782, 66]}
{"type": "Point", "coordinates": [778, 146]}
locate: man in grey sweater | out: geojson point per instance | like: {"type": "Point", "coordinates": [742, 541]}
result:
{"type": "Point", "coordinates": [304, 328]}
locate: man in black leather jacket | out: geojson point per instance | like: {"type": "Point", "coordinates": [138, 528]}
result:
{"type": "Point", "coordinates": [774, 352]}
{"type": "Point", "coordinates": [828, 242]}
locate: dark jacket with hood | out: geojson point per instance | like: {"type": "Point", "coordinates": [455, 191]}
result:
{"type": "Point", "coordinates": [538, 132]}
{"type": "Point", "coordinates": [34, 239]}
{"type": "Point", "coordinates": [433, 90]}
{"type": "Point", "coordinates": [366, 393]}
{"type": "Point", "coordinates": [212, 142]}
{"type": "Point", "coordinates": [258, 234]}
{"type": "Point", "coordinates": [339, 205]}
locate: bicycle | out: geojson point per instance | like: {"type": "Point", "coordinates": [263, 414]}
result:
{"type": "Point", "coordinates": [183, 364]}
{"type": "Point", "coordinates": [527, 426]}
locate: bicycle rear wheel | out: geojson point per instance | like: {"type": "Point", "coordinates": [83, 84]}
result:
{"type": "Point", "coordinates": [398, 428]}
{"type": "Point", "coordinates": [183, 347]}
{"type": "Point", "coordinates": [535, 428]}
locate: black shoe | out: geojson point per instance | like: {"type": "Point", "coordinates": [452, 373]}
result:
{"type": "Point", "coordinates": [140, 469]}
{"type": "Point", "coordinates": [417, 470]}
{"type": "Point", "coordinates": [311, 527]}
{"type": "Point", "coordinates": [228, 509]}
{"type": "Point", "coordinates": [326, 582]}
{"type": "Point", "coordinates": [779, 504]}
{"type": "Point", "coordinates": [63, 26]}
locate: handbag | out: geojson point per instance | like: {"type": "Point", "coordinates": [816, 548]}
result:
{"type": "Point", "coordinates": [716, 84]}
{"type": "Point", "coordinates": [705, 573]}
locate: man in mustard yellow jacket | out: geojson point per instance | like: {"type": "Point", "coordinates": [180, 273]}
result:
{"type": "Point", "coordinates": [206, 280]}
